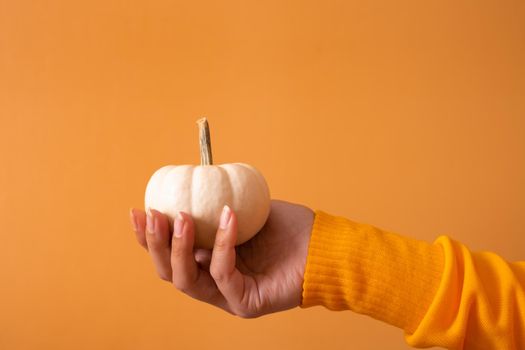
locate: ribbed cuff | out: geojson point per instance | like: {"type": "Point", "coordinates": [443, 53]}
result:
{"type": "Point", "coordinates": [353, 266]}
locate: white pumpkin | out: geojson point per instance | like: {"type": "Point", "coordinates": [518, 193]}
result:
{"type": "Point", "coordinates": [203, 190]}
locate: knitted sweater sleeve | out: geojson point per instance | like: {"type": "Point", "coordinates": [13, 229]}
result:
{"type": "Point", "coordinates": [440, 294]}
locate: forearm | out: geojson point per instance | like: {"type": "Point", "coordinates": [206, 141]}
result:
{"type": "Point", "coordinates": [440, 294]}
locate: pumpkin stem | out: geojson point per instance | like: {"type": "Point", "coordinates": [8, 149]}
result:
{"type": "Point", "coordinates": [205, 141]}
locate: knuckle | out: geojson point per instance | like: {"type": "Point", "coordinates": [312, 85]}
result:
{"type": "Point", "coordinates": [217, 274]}
{"type": "Point", "coordinates": [182, 285]}
{"type": "Point", "coordinates": [221, 243]}
{"type": "Point", "coordinates": [165, 277]}
{"type": "Point", "coordinates": [246, 314]}
{"type": "Point", "coordinates": [177, 252]}
{"type": "Point", "coordinates": [153, 244]}
{"type": "Point", "coordinates": [144, 245]}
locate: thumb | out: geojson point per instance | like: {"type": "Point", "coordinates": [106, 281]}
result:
{"type": "Point", "coordinates": [233, 285]}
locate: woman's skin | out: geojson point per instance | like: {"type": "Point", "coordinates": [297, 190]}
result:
{"type": "Point", "coordinates": [260, 276]}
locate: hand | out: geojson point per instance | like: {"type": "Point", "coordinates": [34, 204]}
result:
{"type": "Point", "coordinates": [260, 276]}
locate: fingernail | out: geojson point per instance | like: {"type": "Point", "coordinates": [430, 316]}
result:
{"type": "Point", "coordinates": [133, 220]}
{"type": "Point", "coordinates": [179, 225]}
{"type": "Point", "coordinates": [150, 224]}
{"type": "Point", "coordinates": [225, 217]}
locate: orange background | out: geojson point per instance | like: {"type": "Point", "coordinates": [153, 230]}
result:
{"type": "Point", "coordinates": [409, 115]}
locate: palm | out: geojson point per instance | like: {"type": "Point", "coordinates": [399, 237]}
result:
{"type": "Point", "coordinates": [275, 257]}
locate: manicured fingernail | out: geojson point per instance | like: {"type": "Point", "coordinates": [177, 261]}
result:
{"type": "Point", "coordinates": [225, 217]}
{"type": "Point", "coordinates": [179, 225]}
{"type": "Point", "coordinates": [133, 220]}
{"type": "Point", "coordinates": [150, 224]}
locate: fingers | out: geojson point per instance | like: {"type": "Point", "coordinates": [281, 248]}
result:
{"type": "Point", "coordinates": [138, 222]}
{"type": "Point", "coordinates": [175, 259]}
{"type": "Point", "coordinates": [184, 267]}
{"type": "Point", "coordinates": [158, 242]}
{"type": "Point", "coordinates": [187, 276]}
{"type": "Point", "coordinates": [236, 288]}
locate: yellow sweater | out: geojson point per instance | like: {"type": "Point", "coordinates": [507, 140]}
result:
{"type": "Point", "coordinates": [440, 294]}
